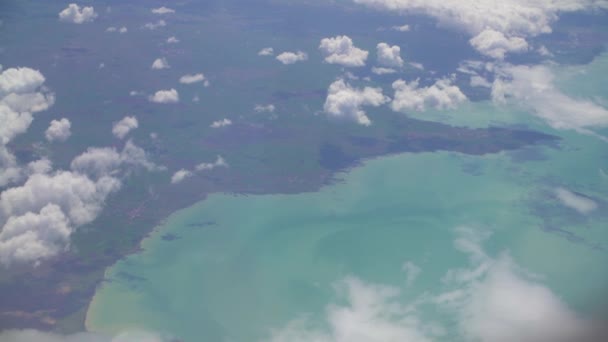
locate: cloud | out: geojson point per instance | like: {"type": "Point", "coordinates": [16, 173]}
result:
{"type": "Point", "coordinates": [221, 123]}
{"type": "Point", "coordinates": [340, 50]}
{"type": "Point", "coordinates": [40, 336]}
{"type": "Point", "coordinates": [180, 175]}
{"type": "Point", "coordinates": [490, 300]}
{"type": "Point", "coordinates": [154, 26]}
{"type": "Point", "coordinates": [219, 162]}
{"type": "Point", "coordinates": [292, 57]}
{"type": "Point", "coordinates": [371, 314]}
{"type": "Point", "coordinates": [162, 10]}
{"type": "Point", "coordinates": [441, 95]}
{"type": "Point", "coordinates": [494, 44]}
{"type": "Point", "coordinates": [478, 81]}
{"type": "Point", "coordinates": [165, 96]}
{"type": "Point", "coordinates": [412, 272]}
{"type": "Point", "coordinates": [514, 19]}
{"type": "Point", "coordinates": [345, 102]}
{"type": "Point", "coordinates": [532, 88]}
{"type": "Point", "coordinates": [59, 130]}
{"type": "Point", "coordinates": [39, 216]}
{"type": "Point", "coordinates": [160, 63]}
{"type": "Point", "coordinates": [264, 108]}
{"type": "Point", "coordinates": [74, 14]}
{"type": "Point", "coordinates": [383, 71]}
{"type": "Point", "coordinates": [22, 93]}
{"type": "Point", "coordinates": [402, 28]}
{"type": "Point", "coordinates": [172, 40]}
{"type": "Point", "coordinates": [116, 29]}
{"type": "Point", "coordinates": [266, 52]}
{"type": "Point", "coordinates": [389, 56]}
{"type": "Point", "coordinates": [189, 79]}
{"type": "Point", "coordinates": [106, 161]}
{"type": "Point", "coordinates": [121, 128]}
{"type": "Point", "coordinates": [583, 205]}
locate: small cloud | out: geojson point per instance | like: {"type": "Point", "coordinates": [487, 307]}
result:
{"type": "Point", "coordinates": [478, 81]}
{"type": "Point", "coordinates": [221, 123]}
{"type": "Point", "coordinates": [162, 10]}
{"type": "Point", "coordinates": [389, 56]}
{"type": "Point", "coordinates": [74, 14]}
{"type": "Point", "coordinates": [383, 71]}
{"type": "Point", "coordinates": [403, 28]}
{"type": "Point", "coordinates": [172, 40]}
{"type": "Point", "coordinates": [418, 66]}
{"type": "Point", "coordinates": [189, 79]}
{"type": "Point", "coordinates": [583, 205]}
{"type": "Point", "coordinates": [412, 272]}
{"type": "Point", "coordinates": [59, 130]}
{"type": "Point", "coordinates": [123, 30]}
{"type": "Point", "coordinates": [344, 101]}
{"type": "Point", "coordinates": [340, 50]}
{"type": "Point", "coordinates": [116, 29]}
{"type": "Point", "coordinates": [124, 126]}
{"type": "Point", "coordinates": [165, 96]}
{"type": "Point", "coordinates": [266, 52]}
{"type": "Point", "coordinates": [219, 162]}
{"type": "Point", "coordinates": [264, 109]}
{"type": "Point", "coordinates": [154, 26]}
{"type": "Point", "coordinates": [494, 44]}
{"type": "Point", "coordinates": [441, 95]}
{"type": "Point", "coordinates": [160, 63]}
{"type": "Point", "coordinates": [292, 57]}
{"type": "Point", "coordinates": [543, 51]}
{"type": "Point", "coordinates": [180, 175]}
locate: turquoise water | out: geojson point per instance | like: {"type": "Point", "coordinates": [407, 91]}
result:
{"type": "Point", "coordinates": [244, 265]}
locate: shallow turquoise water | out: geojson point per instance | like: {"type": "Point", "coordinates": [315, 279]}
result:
{"type": "Point", "coordinates": [269, 259]}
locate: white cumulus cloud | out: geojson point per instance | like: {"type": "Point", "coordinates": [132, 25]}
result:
{"type": "Point", "coordinates": [59, 130]}
{"type": "Point", "coordinates": [389, 56]}
{"type": "Point", "coordinates": [581, 204]}
{"type": "Point", "coordinates": [289, 57]}
{"type": "Point", "coordinates": [165, 96]}
{"type": "Point", "coordinates": [160, 63]}
{"type": "Point", "coordinates": [74, 14]}
{"type": "Point", "coordinates": [269, 108]}
{"type": "Point", "coordinates": [495, 44]}
{"type": "Point", "coordinates": [180, 175]}
{"type": "Point", "coordinates": [221, 123]}
{"type": "Point", "coordinates": [172, 40]}
{"type": "Point", "coordinates": [121, 128]}
{"type": "Point", "coordinates": [266, 52]}
{"type": "Point", "coordinates": [441, 95]}
{"type": "Point", "coordinates": [340, 50]}
{"type": "Point", "coordinates": [195, 78]}
{"type": "Point", "coordinates": [155, 25]}
{"type": "Point", "coordinates": [344, 101]}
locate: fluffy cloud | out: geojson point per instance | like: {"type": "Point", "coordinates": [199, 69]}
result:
{"type": "Point", "coordinates": [180, 175]}
{"type": "Point", "coordinates": [165, 96]}
{"type": "Point", "coordinates": [491, 300]}
{"type": "Point", "coordinates": [22, 93]}
{"type": "Point", "coordinates": [189, 79]}
{"type": "Point", "coordinates": [40, 336]}
{"type": "Point", "coordinates": [221, 123]}
{"type": "Point", "coordinates": [292, 57]}
{"type": "Point", "coordinates": [345, 102]}
{"type": "Point", "coordinates": [495, 44]}
{"type": "Point", "coordinates": [39, 216]}
{"type": "Point", "coordinates": [124, 126]}
{"type": "Point", "coordinates": [266, 52]}
{"type": "Point", "coordinates": [383, 71]}
{"type": "Point", "coordinates": [514, 19]}
{"type": "Point", "coordinates": [340, 50]}
{"type": "Point", "coordinates": [264, 109]}
{"type": "Point", "coordinates": [154, 26]}
{"type": "Point", "coordinates": [172, 40]}
{"type": "Point", "coordinates": [402, 28]}
{"type": "Point", "coordinates": [162, 10]}
{"type": "Point", "coordinates": [105, 161]}
{"type": "Point", "coordinates": [441, 95]}
{"type": "Point", "coordinates": [372, 314]}
{"type": "Point", "coordinates": [160, 63]}
{"type": "Point", "coordinates": [59, 130]}
{"type": "Point", "coordinates": [389, 56]}
{"type": "Point", "coordinates": [533, 88]}
{"type": "Point", "coordinates": [581, 204]}
{"type": "Point", "coordinates": [74, 14]}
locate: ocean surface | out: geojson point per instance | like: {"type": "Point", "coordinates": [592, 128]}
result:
{"type": "Point", "coordinates": [246, 268]}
